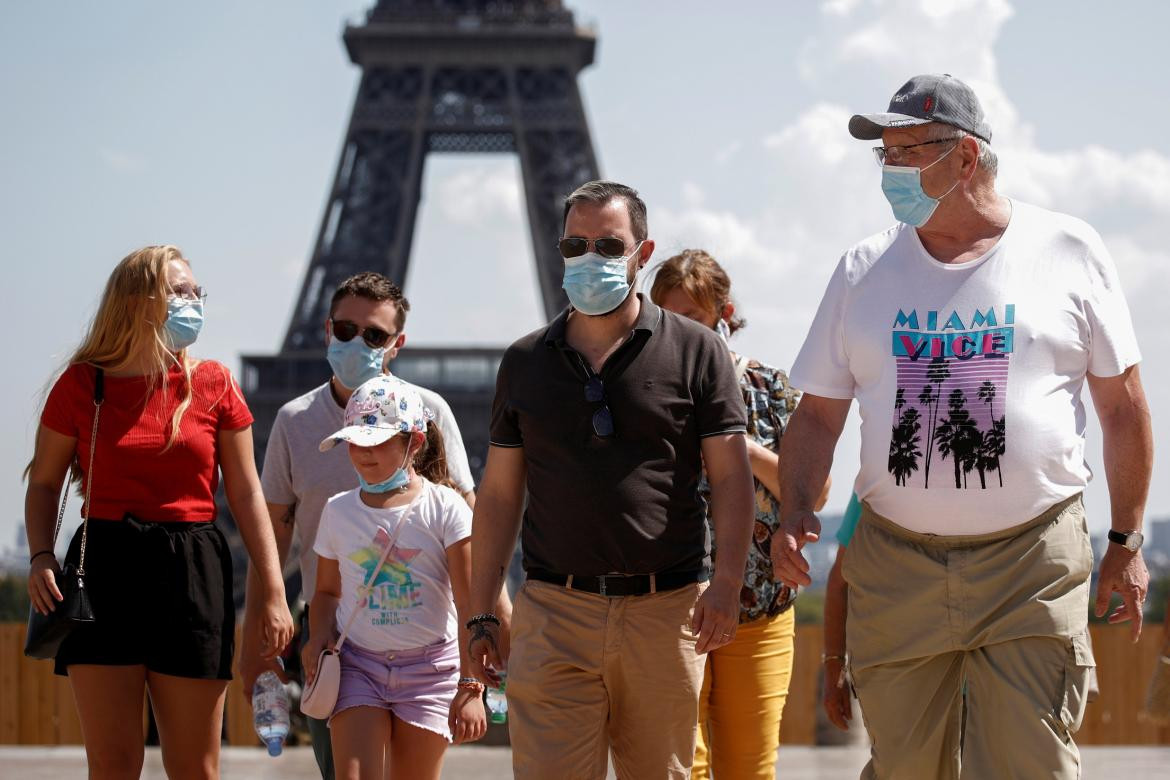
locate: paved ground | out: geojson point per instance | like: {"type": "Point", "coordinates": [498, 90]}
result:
{"type": "Point", "coordinates": [487, 763]}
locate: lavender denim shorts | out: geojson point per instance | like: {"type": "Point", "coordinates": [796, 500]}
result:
{"type": "Point", "coordinates": [416, 685]}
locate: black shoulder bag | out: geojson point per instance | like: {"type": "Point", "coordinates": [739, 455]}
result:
{"type": "Point", "coordinates": [46, 632]}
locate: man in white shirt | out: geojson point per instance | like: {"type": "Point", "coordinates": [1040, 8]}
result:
{"type": "Point", "coordinates": [966, 333]}
{"type": "Point", "coordinates": [364, 332]}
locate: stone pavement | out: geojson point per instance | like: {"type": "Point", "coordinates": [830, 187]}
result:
{"type": "Point", "coordinates": [494, 763]}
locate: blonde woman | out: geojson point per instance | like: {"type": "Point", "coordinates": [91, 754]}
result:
{"type": "Point", "coordinates": [158, 571]}
{"type": "Point", "coordinates": [745, 682]}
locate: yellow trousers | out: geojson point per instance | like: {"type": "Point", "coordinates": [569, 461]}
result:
{"type": "Point", "coordinates": [745, 685]}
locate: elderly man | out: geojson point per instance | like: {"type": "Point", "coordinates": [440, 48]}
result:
{"type": "Point", "coordinates": [966, 333]}
{"type": "Point", "coordinates": [606, 418]}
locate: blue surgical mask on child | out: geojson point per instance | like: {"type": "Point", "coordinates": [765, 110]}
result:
{"type": "Point", "coordinates": [396, 481]}
{"type": "Point", "coordinates": [183, 323]}
{"type": "Point", "coordinates": [354, 362]}
{"type": "Point", "coordinates": [902, 186]}
{"type": "Point", "coordinates": [595, 284]}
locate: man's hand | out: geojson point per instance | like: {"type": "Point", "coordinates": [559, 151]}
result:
{"type": "Point", "coordinates": [486, 659]}
{"type": "Point", "coordinates": [836, 698]}
{"type": "Point", "coordinates": [1124, 573]}
{"type": "Point", "coordinates": [796, 530]}
{"type": "Point", "coordinates": [716, 615]}
{"type": "Point", "coordinates": [252, 665]}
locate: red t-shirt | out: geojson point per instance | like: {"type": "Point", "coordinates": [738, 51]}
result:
{"type": "Point", "coordinates": [133, 473]}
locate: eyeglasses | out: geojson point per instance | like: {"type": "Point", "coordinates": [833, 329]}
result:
{"type": "Point", "coordinates": [345, 330]}
{"type": "Point", "coordinates": [609, 246]}
{"type": "Point", "coordinates": [897, 154]}
{"type": "Point", "coordinates": [602, 418]}
{"type": "Point", "coordinates": [189, 293]}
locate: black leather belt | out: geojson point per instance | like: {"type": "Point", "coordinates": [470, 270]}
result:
{"type": "Point", "coordinates": [614, 585]}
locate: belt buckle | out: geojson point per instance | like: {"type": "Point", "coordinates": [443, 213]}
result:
{"type": "Point", "coordinates": [601, 585]}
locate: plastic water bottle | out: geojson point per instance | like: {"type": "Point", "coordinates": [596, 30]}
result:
{"type": "Point", "coordinates": [497, 702]}
{"type": "Point", "coordinates": [270, 711]}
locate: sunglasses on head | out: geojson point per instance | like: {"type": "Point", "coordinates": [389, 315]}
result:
{"type": "Point", "coordinates": [345, 330]}
{"type": "Point", "coordinates": [609, 247]}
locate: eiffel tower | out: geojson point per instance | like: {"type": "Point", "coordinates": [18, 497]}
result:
{"type": "Point", "coordinates": [438, 76]}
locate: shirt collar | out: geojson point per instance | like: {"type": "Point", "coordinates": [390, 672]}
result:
{"type": "Point", "coordinates": [649, 317]}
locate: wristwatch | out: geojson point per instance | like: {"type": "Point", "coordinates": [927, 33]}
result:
{"type": "Point", "coordinates": [1130, 540]}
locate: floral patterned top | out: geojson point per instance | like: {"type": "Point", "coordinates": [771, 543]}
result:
{"type": "Point", "coordinates": [770, 401]}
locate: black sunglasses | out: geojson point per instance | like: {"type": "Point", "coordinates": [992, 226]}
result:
{"type": "Point", "coordinates": [609, 247]}
{"type": "Point", "coordinates": [345, 330]}
{"type": "Point", "coordinates": [602, 418]}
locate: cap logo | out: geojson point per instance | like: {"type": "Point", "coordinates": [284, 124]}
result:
{"type": "Point", "coordinates": [902, 98]}
{"type": "Point", "coordinates": [928, 104]}
{"type": "Point", "coordinates": [365, 405]}
{"type": "Point", "coordinates": [900, 123]}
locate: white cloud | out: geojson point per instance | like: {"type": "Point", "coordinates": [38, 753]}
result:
{"type": "Point", "coordinates": [480, 196]}
{"type": "Point", "coordinates": [121, 161]}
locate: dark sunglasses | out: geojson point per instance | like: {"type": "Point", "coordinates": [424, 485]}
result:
{"type": "Point", "coordinates": [602, 418]}
{"type": "Point", "coordinates": [345, 330]}
{"type": "Point", "coordinates": [609, 247]}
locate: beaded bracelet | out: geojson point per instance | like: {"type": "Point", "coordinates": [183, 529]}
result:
{"type": "Point", "coordinates": [39, 554]}
{"type": "Point", "coordinates": [486, 617]}
{"type": "Point", "coordinates": [470, 684]}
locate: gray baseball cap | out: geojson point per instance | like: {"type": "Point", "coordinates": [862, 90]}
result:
{"type": "Point", "coordinates": [929, 98]}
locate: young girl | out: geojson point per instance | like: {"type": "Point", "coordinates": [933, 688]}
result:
{"type": "Point", "coordinates": [405, 686]}
{"type": "Point", "coordinates": [158, 571]}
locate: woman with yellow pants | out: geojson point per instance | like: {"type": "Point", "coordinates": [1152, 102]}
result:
{"type": "Point", "coordinates": [746, 681]}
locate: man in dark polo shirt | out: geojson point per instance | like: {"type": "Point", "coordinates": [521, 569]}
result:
{"type": "Point", "coordinates": [607, 417]}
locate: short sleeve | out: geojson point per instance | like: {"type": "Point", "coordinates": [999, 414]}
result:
{"type": "Point", "coordinates": [849, 521]}
{"type": "Point", "coordinates": [505, 425]}
{"type": "Point", "coordinates": [720, 404]}
{"type": "Point", "coordinates": [233, 409]}
{"type": "Point", "coordinates": [324, 543]}
{"type": "Point", "coordinates": [1113, 344]}
{"type": "Point", "coordinates": [822, 366]}
{"type": "Point", "coordinates": [65, 402]}
{"type": "Point", "coordinates": [457, 465]}
{"type": "Point", "coordinates": [276, 476]}
{"type": "Point", "coordinates": [456, 524]}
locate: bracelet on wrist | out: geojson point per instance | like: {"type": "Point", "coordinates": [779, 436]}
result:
{"type": "Point", "coordinates": [486, 617]}
{"type": "Point", "coordinates": [471, 684]}
{"type": "Point", "coordinates": [36, 555]}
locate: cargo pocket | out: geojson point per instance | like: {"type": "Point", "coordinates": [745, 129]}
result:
{"type": "Point", "coordinates": [1080, 681]}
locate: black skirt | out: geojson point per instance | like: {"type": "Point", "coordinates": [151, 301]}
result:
{"type": "Point", "coordinates": [162, 598]}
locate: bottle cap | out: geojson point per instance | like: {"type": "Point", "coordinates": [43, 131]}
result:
{"type": "Point", "coordinates": [275, 746]}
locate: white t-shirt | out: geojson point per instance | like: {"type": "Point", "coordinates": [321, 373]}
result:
{"type": "Point", "coordinates": [973, 371]}
{"type": "Point", "coordinates": [297, 474]}
{"type": "Point", "coordinates": [411, 604]}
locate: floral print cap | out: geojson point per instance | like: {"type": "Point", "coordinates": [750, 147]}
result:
{"type": "Point", "coordinates": [377, 411]}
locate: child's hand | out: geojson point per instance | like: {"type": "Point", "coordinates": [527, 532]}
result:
{"type": "Point", "coordinates": [309, 654]}
{"type": "Point", "coordinates": [468, 720]}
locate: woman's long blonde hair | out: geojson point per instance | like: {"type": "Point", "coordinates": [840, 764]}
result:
{"type": "Point", "coordinates": [129, 324]}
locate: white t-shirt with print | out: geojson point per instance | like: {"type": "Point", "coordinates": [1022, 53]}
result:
{"type": "Point", "coordinates": [969, 376]}
{"type": "Point", "coordinates": [411, 604]}
{"type": "Point", "coordinates": [296, 473]}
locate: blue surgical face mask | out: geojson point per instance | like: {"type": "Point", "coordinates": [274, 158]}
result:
{"type": "Point", "coordinates": [595, 284]}
{"type": "Point", "coordinates": [184, 321]}
{"type": "Point", "coordinates": [354, 362]}
{"type": "Point", "coordinates": [902, 186]}
{"type": "Point", "coordinates": [397, 481]}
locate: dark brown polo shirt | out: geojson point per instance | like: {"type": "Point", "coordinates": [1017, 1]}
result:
{"type": "Point", "coordinates": [627, 503]}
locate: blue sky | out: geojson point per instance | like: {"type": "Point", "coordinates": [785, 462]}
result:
{"type": "Point", "coordinates": [216, 126]}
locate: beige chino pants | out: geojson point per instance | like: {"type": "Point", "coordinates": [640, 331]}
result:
{"type": "Point", "coordinates": [588, 674]}
{"type": "Point", "coordinates": [970, 654]}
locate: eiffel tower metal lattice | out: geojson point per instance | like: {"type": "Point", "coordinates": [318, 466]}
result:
{"type": "Point", "coordinates": [438, 76]}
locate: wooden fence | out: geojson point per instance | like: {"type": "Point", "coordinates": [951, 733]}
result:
{"type": "Point", "coordinates": [36, 707]}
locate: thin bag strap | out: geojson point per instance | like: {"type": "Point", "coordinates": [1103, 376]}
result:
{"type": "Point", "coordinates": [99, 397]}
{"type": "Point", "coordinates": [364, 590]}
